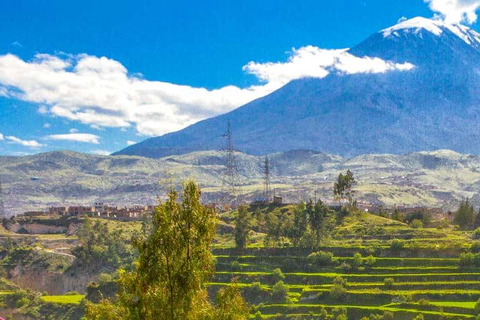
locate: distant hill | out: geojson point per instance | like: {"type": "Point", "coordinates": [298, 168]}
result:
{"type": "Point", "coordinates": [434, 106]}
{"type": "Point", "coordinates": [437, 179]}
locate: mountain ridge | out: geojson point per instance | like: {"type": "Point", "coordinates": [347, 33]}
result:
{"type": "Point", "coordinates": [432, 106]}
{"type": "Point", "coordinates": [436, 179]}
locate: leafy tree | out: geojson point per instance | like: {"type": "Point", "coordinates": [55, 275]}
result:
{"type": "Point", "coordinates": [173, 267]}
{"type": "Point", "coordinates": [465, 215]}
{"type": "Point", "coordinates": [242, 227]}
{"type": "Point", "coordinates": [342, 189]}
{"type": "Point", "coordinates": [318, 219]}
{"type": "Point", "coordinates": [300, 223]}
{"type": "Point", "coordinates": [357, 260]}
{"type": "Point", "coordinates": [280, 292]}
{"type": "Point", "coordinates": [230, 304]}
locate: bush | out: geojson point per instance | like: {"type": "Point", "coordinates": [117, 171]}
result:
{"type": "Point", "coordinates": [338, 291]}
{"type": "Point", "coordinates": [104, 278]}
{"type": "Point", "coordinates": [475, 247]}
{"type": "Point", "coordinates": [345, 267]}
{"type": "Point", "coordinates": [476, 234]}
{"type": "Point", "coordinates": [370, 261]}
{"type": "Point", "coordinates": [258, 315]}
{"type": "Point", "coordinates": [469, 259]}
{"type": "Point", "coordinates": [278, 275]}
{"type": "Point", "coordinates": [397, 245]}
{"type": "Point", "coordinates": [235, 266]}
{"type": "Point", "coordinates": [280, 292]}
{"type": "Point", "coordinates": [423, 302]}
{"type": "Point", "coordinates": [388, 282]}
{"type": "Point", "coordinates": [357, 260]}
{"type": "Point", "coordinates": [387, 315]}
{"type": "Point", "coordinates": [416, 224]}
{"type": "Point", "coordinates": [321, 258]}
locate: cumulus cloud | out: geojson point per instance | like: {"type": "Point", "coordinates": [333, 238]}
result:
{"type": "Point", "coordinates": [456, 11]}
{"type": "Point", "coordinates": [2, 137]}
{"type": "Point", "coordinates": [25, 143]}
{"type": "Point", "coordinates": [77, 137]}
{"type": "Point", "coordinates": [101, 93]}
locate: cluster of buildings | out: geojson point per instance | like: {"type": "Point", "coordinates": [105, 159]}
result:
{"type": "Point", "coordinates": [97, 210]}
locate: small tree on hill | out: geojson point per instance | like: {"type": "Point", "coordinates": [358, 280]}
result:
{"type": "Point", "coordinates": [342, 189]}
{"type": "Point", "coordinates": [465, 215]}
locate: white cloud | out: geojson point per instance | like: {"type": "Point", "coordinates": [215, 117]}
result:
{"type": "Point", "coordinates": [77, 137]}
{"type": "Point", "coordinates": [456, 11]}
{"type": "Point", "coordinates": [47, 126]}
{"type": "Point", "coordinates": [25, 143]}
{"type": "Point", "coordinates": [73, 130]}
{"type": "Point", "coordinates": [130, 142]}
{"type": "Point", "coordinates": [101, 93]}
{"type": "Point", "coordinates": [2, 137]}
{"type": "Point", "coordinates": [101, 152]}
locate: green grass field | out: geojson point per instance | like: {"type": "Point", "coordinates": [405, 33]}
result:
{"type": "Point", "coordinates": [426, 273]}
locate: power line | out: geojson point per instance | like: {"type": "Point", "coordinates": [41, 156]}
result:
{"type": "Point", "coordinates": [229, 185]}
{"type": "Point", "coordinates": [2, 205]}
{"type": "Point", "coordinates": [266, 182]}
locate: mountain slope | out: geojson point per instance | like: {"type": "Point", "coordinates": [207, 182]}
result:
{"type": "Point", "coordinates": [434, 106]}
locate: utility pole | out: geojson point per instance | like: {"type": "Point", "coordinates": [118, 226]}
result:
{"type": "Point", "coordinates": [266, 189]}
{"type": "Point", "coordinates": [230, 175]}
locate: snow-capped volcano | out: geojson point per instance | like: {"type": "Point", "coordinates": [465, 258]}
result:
{"type": "Point", "coordinates": [435, 105]}
{"type": "Point", "coordinates": [437, 27]}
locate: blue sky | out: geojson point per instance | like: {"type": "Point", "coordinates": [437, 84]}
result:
{"type": "Point", "coordinates": [166, 64]}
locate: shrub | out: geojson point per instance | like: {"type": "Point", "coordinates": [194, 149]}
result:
{"type": "Point", "coordinates": [467, 259]}
{"type": "Point", "coordinates": [388, 282]}
{"type": "Point", "coordinates": [475, 247]}
{"type": "Point", "coordinates": [321, 258]}
{"type": "Point", "coordinates": [258, 315]}
{"type": "Point", "coordinates": [423, 302]}
{"type": "Point", "coordinates": [345, 267]}
{"type": "Point", "coordinates": [338, 291]}
{"type": "Point", "coordinates": [278, 275]}
{"type": "Point", "coordinates": [387, 315]}
{"type": "Point", "coordinates": [416, 224]}
{"type": "Point", "coordinates": [339, 313]}
{"type": "Point", "coordinates": [370, 261]}
{"type": "Point", "coordinates": [104, 278]}
{"type": "Point", "coordinates": [357, 260]}
{"type": "Point", "coordinates": [397, 245]}
{"type": "Point", "coordinates": [235, 266]}
{"type": "Point", "coordinates": [280, 292]}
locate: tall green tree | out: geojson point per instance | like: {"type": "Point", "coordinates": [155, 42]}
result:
{"type": "Point", "coordinates": [465, 215]}
{"type": "Point", "coordinates": [173, 266]}
{"type": "Point", "coordinates": [300, 223]}
{"type": "Point", "coordinates": [242, 227]}
{"type": "Point", "coordinates": [343, 188]}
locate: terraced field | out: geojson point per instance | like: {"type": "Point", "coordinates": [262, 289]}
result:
{"type": "Point", "coordinates": [422, 277]}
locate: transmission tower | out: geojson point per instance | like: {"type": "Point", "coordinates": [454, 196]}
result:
{"type": "Point", "coordinates": [2, 206]}
{"type": "Point", "coordinates": [230, 174]}
{"type": "Point", "coordinates": [266, 182]}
